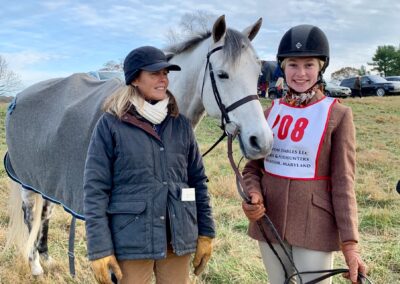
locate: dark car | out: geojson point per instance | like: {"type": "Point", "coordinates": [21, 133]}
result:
{"type": "Point", "coordinates": [372, 85]}
{"type": "Point", "coordinates": [393, 78]}
{"type": "Point", "coordinates": [274, 92]}
{"type": "Point", "coordinates": [332, 90]}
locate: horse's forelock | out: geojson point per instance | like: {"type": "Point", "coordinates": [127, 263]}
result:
{"type": "Point", "coordinates": [234, 43]}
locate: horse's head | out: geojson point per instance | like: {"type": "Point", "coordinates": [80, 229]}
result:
{"type": "Point", "coordinates": [220, 70]}
{"type": "Point", "coordinates": [232, 74]}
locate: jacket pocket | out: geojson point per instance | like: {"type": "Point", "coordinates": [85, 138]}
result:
{"type": "Point", "coordinates": [322, 203]}
{"type": "Point", "coordinates": [128, 224]}
{"type": "Point", "coordinates": [189, 218]}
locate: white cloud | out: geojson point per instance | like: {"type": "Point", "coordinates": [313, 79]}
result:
{"type": "Point", "coordinates": [24, 64]}
{"type": "Point", "coordinates": [30, 77]}
{"type": "Point", "coordinates": [55, 32]}
{"type": "Point", "coordinates": [54, 5]}
{"type": "Point", "coordinates": [23, 59]}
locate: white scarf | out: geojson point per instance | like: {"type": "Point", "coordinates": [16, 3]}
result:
{"type": "Point", "coordinates": [154, 113]}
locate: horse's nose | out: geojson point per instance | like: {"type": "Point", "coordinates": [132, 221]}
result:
{"type": "Point", "coordinates": [260, 146]}
{"type": "Point", "coordinates": [254, 143]}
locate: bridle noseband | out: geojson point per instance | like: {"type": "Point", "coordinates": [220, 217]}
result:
{"type": "Point", "coordinates": [226, 124]}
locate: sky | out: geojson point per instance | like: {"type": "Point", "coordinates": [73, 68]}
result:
{"type": "Point", "coordinates": [46, 38]}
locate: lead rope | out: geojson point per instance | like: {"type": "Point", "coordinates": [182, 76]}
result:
{"type": "Point", "coordinates": [240, 187]}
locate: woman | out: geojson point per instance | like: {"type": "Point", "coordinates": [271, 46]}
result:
{"type": "Point", "coordinates": [146, 202]}
{"type": "Point", "coordinates": [306, 185]}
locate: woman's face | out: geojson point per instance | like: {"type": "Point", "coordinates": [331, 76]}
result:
{"type": "Point", "coordinates": [153, 85]}
{"type": "Point", "coordinates": [301, 73]}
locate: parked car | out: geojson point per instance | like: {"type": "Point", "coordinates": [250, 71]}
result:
{"type": "Point", "coordinates": [106, 75]}
{"type": "Point", "coordinates": [372, 85]}
{"type": "Point", "coordinates": [332, 90]}
{"type": "Point", "coordinates": [393, 78]}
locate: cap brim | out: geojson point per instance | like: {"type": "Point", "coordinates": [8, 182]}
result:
{"type": "Point", "coordinates": [301, 54]}
{"type": "Point", "coordinates": [161, 65]}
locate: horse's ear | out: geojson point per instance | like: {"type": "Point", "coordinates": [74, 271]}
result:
{"type": "Point", "coordinates": [252, 31]}
{"type": "Point", "coordinates": [219, 29]}
{"type": "Point", "coordinates": [169, 55]}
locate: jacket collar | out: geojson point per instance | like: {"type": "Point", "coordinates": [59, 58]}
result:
{"type": "Point", "coordinates": [131, 118]}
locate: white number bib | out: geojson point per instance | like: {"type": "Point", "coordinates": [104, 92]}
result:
{"type": "Point", "coordinates": [298, 134]}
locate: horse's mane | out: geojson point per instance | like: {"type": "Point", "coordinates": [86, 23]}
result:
{"type": "Point", "coordinates": [233, 47]}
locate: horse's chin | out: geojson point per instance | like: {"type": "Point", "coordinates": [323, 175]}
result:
{"type": "Point", "coordinates": [252, 153]}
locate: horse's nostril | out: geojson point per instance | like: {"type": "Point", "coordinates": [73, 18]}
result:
{"type": "Point", "coordinates": [254, 143]}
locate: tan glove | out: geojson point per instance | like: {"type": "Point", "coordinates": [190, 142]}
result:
{"type": "Point", "coordinates": [101, 269]}
{"type": "Point", "coordinates": [353, 261]}
{"type": "Point", "coordinates": [255, 210]}
{"type": "Point", "coordinates": [203, 254]}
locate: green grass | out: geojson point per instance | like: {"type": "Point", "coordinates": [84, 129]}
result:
{"type": "Point", "coordinates": [236, 258]}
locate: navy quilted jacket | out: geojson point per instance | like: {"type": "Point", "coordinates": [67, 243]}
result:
{"type": "Point", "coordinates": [133, 178]}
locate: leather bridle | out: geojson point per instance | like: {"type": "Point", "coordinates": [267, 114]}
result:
{"type": "Point", "coordinates": [226, 124]}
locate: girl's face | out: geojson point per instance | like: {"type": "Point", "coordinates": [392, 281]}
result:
{"type": "Point", "coordinates": [153, 85]}
{"type": "Point", "coordinates": [301, 73]}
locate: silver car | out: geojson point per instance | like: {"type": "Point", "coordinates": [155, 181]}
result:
{"type": "Point", "coordinates": [393, 78]}
{"type": "Point", "coordinates": [106, 75]}
{"type": "Point", "coordinates": [332, 90]}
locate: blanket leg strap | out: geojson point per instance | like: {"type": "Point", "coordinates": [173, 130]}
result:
{"type": "Point", "coordinates": [71, 244]}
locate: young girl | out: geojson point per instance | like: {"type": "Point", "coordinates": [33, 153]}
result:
{"type": "Point", "coordinates": [306, 185]}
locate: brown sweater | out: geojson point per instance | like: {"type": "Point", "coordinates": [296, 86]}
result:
{"type": "Point", "coordinates": [313, 214]}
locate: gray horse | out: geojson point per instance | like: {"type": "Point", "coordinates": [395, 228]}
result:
{"type": "Point", "coordinates": [49, 125]}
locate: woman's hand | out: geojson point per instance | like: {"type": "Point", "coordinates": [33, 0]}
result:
{"type": "Point", "coordinates": [101, 269]}
{"type": "Point", "coordinates": [203, 254]}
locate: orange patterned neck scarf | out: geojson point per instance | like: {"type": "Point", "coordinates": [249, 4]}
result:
{"type": "Point", "coordinates": [296, 99]}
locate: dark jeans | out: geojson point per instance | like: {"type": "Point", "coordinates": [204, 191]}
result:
{"type": "Point", "coordinates": [357, 93]}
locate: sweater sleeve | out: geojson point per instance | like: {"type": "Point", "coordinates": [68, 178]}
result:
{"type": "Point", "coordinates": [252, 175]}
{"type": "Point", "coordinates": [97, 187]}
{"type": "Point", "coordinates": [342, 176]}
{"type": "Point", "coordinates": [197, 179]}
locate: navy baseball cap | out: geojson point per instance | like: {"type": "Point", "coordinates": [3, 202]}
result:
{"type": "Point", "coordinates": [146, 58]}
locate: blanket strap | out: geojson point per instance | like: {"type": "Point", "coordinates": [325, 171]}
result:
{"type": "Point", "coordinates": [71, 243]}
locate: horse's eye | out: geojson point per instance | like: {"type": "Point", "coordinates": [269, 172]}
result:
{"type": "Point", "coordinates": [223, 75]}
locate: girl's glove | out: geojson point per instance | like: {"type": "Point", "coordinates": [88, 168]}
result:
{"type": "Point", "coordinates": [353, 260]}
{"type": "Point", "coordinates": [255, 210]}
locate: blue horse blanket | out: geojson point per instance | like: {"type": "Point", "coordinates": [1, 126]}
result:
{"type": "Point", "coordinates": [48, 129]}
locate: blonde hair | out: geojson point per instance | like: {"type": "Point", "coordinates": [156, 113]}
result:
{"type": "Point", "coordinates": [284, 62]}
{"type": "Point", "coordinates": [119, 102]}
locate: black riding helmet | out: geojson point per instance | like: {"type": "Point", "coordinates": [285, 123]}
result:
{"type": "Point", "coordinates": [304, 41]}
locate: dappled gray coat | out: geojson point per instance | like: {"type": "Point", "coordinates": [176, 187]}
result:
{"type": "Point", "coordinates": [131, 177]}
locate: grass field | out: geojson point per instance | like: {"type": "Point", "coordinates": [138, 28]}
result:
{"type": "Point", "coordinates": [236, 258]}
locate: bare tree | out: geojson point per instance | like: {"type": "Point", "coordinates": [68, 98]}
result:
{"type": "Point", "coordinates": [190, 23]}
{"type": "Point", "coordinates": [10, 82]}
{"type": "Point", "coordinates": [345, 72]}
{"type": "Point", "coordinates": [112, 66]}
